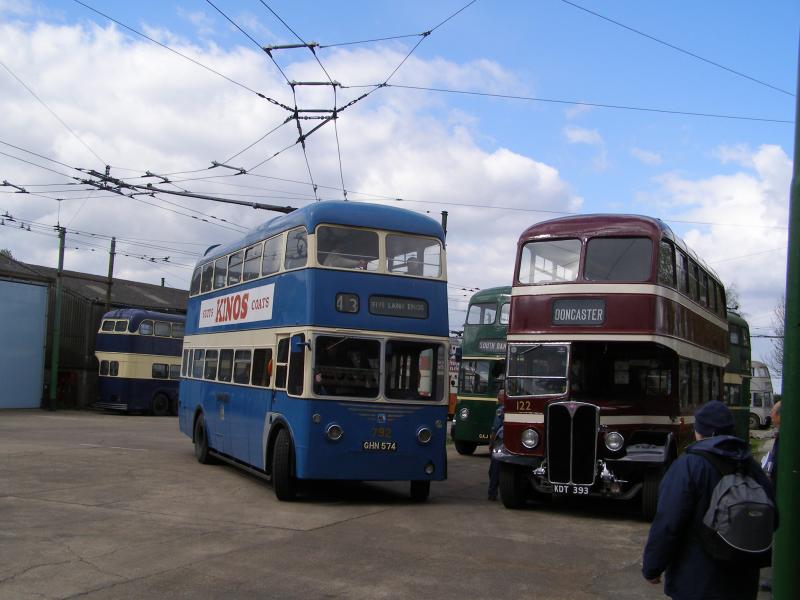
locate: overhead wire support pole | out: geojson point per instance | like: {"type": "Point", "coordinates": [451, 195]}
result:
{"type": "Point", "coordinates": [786, 577]}
{"type": "Point", "coordinates": [55, 343]}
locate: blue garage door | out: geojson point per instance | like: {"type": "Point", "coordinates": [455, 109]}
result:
{"type": "Point", "coordinates": [23, 307]}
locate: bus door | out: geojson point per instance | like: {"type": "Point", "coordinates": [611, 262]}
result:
{"type": "Point", "coordinates": [260, 403]}
{"type": "Point", "coordinates": [215, 399]}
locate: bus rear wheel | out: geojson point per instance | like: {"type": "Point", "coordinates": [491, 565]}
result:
{"type": "Point", "coordinates": [755, 422]}
{"type": "Point", "coordinates": [160, 405]}
{"type": "Point", "coordinates": [465, 448]}
{"type": "Point", "coordinates": [420, 490]}
{"type": "Point", "coordinates": [652, 479]}
{"type": "Point", "coordinates": [283, 478]}
{"type": "Point", "coordinates": [512, 486]}
{"type": "Point", "coordinates": [201, 442]}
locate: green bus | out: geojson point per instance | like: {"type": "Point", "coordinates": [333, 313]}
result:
{"type": "Point", "coordinates": [483, 368]}
{"type": "Point", "coordinates": [738, 373]}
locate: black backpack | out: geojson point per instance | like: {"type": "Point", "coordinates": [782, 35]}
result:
{"type": "Point", "coordinates": [738, 524]}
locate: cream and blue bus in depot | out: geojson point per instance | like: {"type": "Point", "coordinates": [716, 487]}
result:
{"type": "Point", "coordinates": [139, 354]}
{"type": "Point", "coordinates": [316, 348]}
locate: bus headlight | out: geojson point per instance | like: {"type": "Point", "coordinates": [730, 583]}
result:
{"type": "Point", "coordinates": [614, 440]}
{"type": "Point", "coordinates": [463, 414]}
{"type": "Point", "coordinates": [334, 432]}
{"type": "Point", "coordinates": [530, 438]}
{"type": "Point", "coordinates": [424, 435]}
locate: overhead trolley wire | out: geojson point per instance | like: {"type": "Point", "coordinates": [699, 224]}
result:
{"type": "Point", "coordinates": [52, 112]}
{"type": "Point", "coordinates": [677, 48]}
{"type": "Point", "coordinates": [189, 58]}
{"type": "Point", "coordinates": [578, 103]}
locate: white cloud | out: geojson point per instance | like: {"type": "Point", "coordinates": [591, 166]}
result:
{"type": "Point", "coordinates": [646, 156]}
{"type": "Point", "coordinates": [589, 137]}
{"type": "Point", "coordinates": [581, 135]}
{"type": "Point", "coordinates": [143, 108]}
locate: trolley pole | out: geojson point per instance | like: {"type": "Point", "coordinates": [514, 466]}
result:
{"type": "Point", "coordinates": [111, 255]}
{"type": "Point", "coordinates": [786, 576]}
{"type": "Point", "coordinates": [56, 341]}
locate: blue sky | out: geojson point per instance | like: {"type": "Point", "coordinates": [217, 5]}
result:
{"type": "Point", "coordinates": [137, 106]}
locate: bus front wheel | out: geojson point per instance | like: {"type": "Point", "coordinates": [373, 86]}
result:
{"type": "Point", "coordinates": [512, 486]}
{"type": "Point", "coordinates": [652, 479]}
{"type": "Point", "coordinates": [283, 467]}
{"type": "Point", "coordinates": [465, 448]}
{"type": "Point", "coordinates": [160, 405]}
{"type": "Point", "coordinates": [420, 490]}
{"type": "Point", "coordinates": [201, 442]}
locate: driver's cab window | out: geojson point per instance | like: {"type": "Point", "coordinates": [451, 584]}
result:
{"type": "Point", "coordinates": [296, 248]}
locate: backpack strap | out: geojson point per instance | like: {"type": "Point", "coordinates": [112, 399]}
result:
{"type": "Point", "coordinates": [722, 465]}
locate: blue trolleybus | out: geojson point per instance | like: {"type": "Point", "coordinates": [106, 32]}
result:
{"type": "Point", "coordinates": [139, 352]}
{"type": "Point", "coordinates": [317, 348]}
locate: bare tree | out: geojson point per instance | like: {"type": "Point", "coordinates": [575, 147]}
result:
{"type": "Point", "coordinates": [732, 298]}
{"type": "Point", "coordinates": [6, 252]}
{"type": "Point", "coordinates": [778, 321]}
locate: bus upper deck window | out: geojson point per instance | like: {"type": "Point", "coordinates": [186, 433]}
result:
{"type": "Point", "coordinates": [194, 288]}
{"type": "Point", "coordinates": [271, 261]}
{"type": "Point", "coordinates": [347, 248]}
{"type": "Point", "coordinates": [618, 259]}
{"type": "Point", "coordinates": [252, 262]}
{"type": "Point", "coordinates": [208, 278]}
{"type": "Point", "coordinates": [220, 272]}
{"type": "Point", "coordinates": [549, 261]}
{"type": "Point", "coordinates": [146, 327]}
{"type": "Point", "coordinates": [235, 268]}
{"type": "Point", "coordinates": [121, 326]}
{"type": "Point", "coordinates": [414, 255]}
{"type": "Point", "coordinates": [296, 249]}
{"type": "Point", "coordinates": [666, 264]}
{"type": "Point", "coordinates": [178, 330]}
{"type": "Point", "coordinates": [241, 366]}
{"type": "Point", "coordinates": [107, 325]}
{"type": "Point", "coordinates": [163, 329]}
{"type": "Point", "coordinates": [682, 272]}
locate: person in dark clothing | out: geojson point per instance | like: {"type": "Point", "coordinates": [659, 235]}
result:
{"type": "Point", "coordinates": [771, 462]}
{"type": "Point", "coordinates": [673, 546]}
{"type": "Point", "coordinates": [496, 439]}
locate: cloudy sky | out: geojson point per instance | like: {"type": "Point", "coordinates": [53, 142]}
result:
{"type": "Point", "coordinates": [530, 110]}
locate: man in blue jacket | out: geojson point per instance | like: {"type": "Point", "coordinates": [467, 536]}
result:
{"type": "Point", "coordinates": [673, 546]}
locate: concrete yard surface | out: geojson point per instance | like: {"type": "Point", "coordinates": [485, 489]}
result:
{"type": "Point", "coordinates": [103, 506]}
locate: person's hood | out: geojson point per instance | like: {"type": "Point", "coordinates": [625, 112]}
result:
{"type": "Point", "coordinates": [726, 446]}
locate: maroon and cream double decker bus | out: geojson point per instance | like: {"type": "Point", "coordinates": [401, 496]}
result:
{"type": "Point", "coordinates": [617, 333]}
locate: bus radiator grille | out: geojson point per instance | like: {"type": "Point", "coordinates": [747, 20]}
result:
{"type": "Point", "coordinates": [572, 442]}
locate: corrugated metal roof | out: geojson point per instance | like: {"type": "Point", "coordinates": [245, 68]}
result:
{"type": "Point", "coordinates": [93, 287]}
